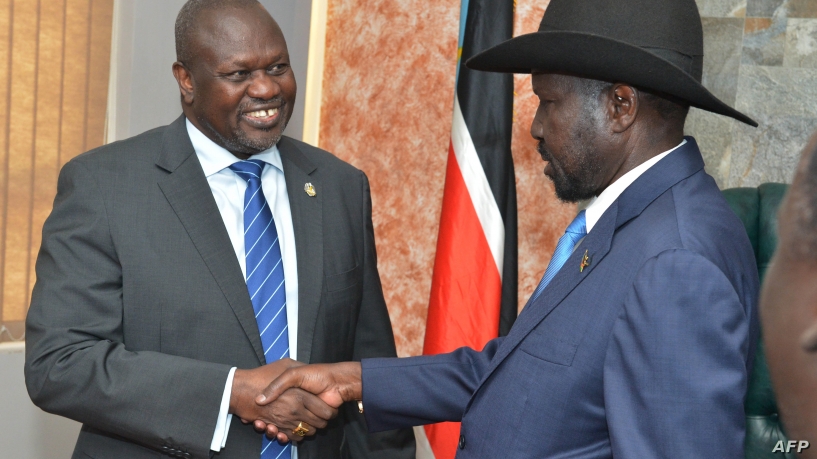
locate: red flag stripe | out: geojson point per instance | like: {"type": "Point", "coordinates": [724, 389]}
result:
{"type": "Point", "coordinates": [466, 287]}
{"type": "Point", "coordinates": [482, 197]}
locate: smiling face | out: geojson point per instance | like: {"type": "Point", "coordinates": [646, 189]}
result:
{"type": "Point", "coordinates": [239, 90]}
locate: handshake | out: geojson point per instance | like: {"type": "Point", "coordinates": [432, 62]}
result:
{"type": "Point", "coordinates": [300, 399]}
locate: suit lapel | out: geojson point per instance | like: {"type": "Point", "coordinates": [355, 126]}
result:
{"type": "Point", "coordinates": [677, 166]}
{"type": "Point", "coordinates": [597, 244]}
{"type": "Point", "coordinates": [307, 223]}
{"type": "Point", "coordinates": [189, 195]}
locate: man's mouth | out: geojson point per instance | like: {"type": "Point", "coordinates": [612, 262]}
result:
{"type": "Point", "coordinates": [263, 115]}
{"type": "Point", "coordinates": [549, 170]}
{"type": "Point", "coordinates": [540, 148]}
{"type": "Point", "coordinates": [264, 119]}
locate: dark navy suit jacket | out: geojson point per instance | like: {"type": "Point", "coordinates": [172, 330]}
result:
{"type": "Point", "coordinates": [644, 354]}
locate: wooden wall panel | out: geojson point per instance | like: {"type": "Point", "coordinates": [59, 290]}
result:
{"type": "Point", "coordinates": [22, 110]}
{"type": "Point", "coordinates": [49, 117]}
{"type": "Point", "coordinates": [54, 65]}
{"type": "Point", "coordinates": [75, 79]}
{"type": "Point", "coordinates": [99, 52]}
{"type": "Point", "coordinates": [6, 9]}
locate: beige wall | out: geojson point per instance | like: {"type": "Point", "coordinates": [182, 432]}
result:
{"type": "Point", "coordinates": [26, 432]}
{"type": "Point", "coordinates": [54, 59]}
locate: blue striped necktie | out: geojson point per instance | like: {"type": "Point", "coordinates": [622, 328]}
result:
{"type": "Point", "coordinates": [265, 278]}
{"type": "Point", "coordinates": [574, 232]}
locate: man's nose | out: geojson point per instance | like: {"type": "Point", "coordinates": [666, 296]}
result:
{"type": "Point", "coordinates": [536, 130]}
{"type": "Point", "coordinates": [263, 86]}
{"type": "Point", "coordinates": [536, 125]}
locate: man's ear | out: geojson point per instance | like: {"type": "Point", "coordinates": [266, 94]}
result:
{"type": "Point", "coordinates": [185, 80]}
{"type": "Point", "coordinates": [623, 106]}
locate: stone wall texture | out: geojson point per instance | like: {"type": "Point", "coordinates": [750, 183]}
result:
{"type": "Point", "coordinates": [761, 58]}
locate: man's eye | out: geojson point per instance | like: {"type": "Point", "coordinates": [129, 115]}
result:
{"type": "Point", "coordinates": [278, 69]}
{"type": "Point", "coordinates": [238, 75]}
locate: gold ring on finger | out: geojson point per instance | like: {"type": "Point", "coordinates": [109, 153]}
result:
{"type": "Point", "coordinates": [302, 429]}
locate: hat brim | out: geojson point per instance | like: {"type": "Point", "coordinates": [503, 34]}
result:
{"type": "Point", "coordinates": [600, 58]}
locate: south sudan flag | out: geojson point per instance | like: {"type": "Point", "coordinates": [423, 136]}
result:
{"type": "Point", "coordinates": [474, 286]}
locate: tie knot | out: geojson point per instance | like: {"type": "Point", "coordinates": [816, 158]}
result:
{"type": "Point", "coordinates": [578, 225]}
{"type": "Point", "coordinates": [249, 169]}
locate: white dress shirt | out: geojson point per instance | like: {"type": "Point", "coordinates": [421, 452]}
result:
{"type": "Point", "coordinates": [598, 205]}
{"type": "Point", "coordinates": [228, 190]}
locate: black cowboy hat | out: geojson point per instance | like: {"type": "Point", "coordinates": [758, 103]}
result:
{"type": "Point", "coordinates": [656, 45]}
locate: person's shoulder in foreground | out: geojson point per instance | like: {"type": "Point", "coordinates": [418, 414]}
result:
{"type": "Point", "coordinates": [788, 309]}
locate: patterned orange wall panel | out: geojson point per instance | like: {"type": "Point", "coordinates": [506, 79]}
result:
{"type": "Point", "coordinates": [54, 65]}
{"type": "Point", "coordinates": [388, 91]}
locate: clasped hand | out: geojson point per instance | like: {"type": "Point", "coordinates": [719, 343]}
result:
{"type": "Point", "coordinates": [298, 393]}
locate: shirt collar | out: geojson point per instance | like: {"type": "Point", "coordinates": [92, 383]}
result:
{"type": "Point", "coordinates": [598, 205]}
{"type": "Point", "coordinates": [214, 158]}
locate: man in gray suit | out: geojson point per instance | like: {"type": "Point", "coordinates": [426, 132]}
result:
{"type": "Point", "coordinates": [141, 324]}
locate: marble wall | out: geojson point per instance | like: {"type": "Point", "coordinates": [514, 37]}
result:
{"type": "Point", "coordinates": [387, 102]}
{"type": "Point", "coordinates": [760, 57]}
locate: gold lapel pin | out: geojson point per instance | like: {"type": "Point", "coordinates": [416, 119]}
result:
{"type": "Point", "coordinates": [585, 262]}
{"type": "Point", "coordinates": [310, 190]}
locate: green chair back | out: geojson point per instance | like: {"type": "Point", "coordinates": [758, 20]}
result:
{"type": "Point", "coordinates": [757, 208]}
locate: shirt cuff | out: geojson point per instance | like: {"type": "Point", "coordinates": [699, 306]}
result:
{"type": "Point", "coordinates": [224, 417]}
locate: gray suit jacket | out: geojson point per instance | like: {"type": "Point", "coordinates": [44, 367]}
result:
{"type": "Point", "coordinates": [140, 308]}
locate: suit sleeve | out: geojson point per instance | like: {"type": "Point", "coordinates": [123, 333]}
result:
{"type": "Point", "coordinates": [77, 364]}
{"type": "Point", "coordinates": [425, 389]}
{"type": "Point", "coordinates": [675, 373]}
{"type": "Point", "coordinates": [373, 338]}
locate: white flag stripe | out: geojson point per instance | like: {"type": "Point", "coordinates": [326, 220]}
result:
{"type": "Point", "coordinates": [478, 188]}
{"type": "Point", "coordinates": [423, 447]}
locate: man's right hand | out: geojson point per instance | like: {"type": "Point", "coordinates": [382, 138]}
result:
{"type": "Point", "coordinates": [334, 383]}
{"type": "Point", "coordinates": [292, 407]}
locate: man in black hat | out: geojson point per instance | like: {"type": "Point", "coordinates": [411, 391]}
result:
{"type": "Point", "coordinates": [638, 341]}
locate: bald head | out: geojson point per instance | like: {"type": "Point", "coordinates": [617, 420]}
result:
{"type": "Point", "coordinates": [188, 22]}
{"type": "Point", "coordinates": [235, 80]}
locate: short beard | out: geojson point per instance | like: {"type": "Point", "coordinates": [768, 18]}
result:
{"type": "Point", "coordinates": [240, 143]}
{"type": "Point", "coordinates": [580, 184]}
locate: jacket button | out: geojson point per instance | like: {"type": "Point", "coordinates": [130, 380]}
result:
{"type": "Point", "coordinates": [462, 442]}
